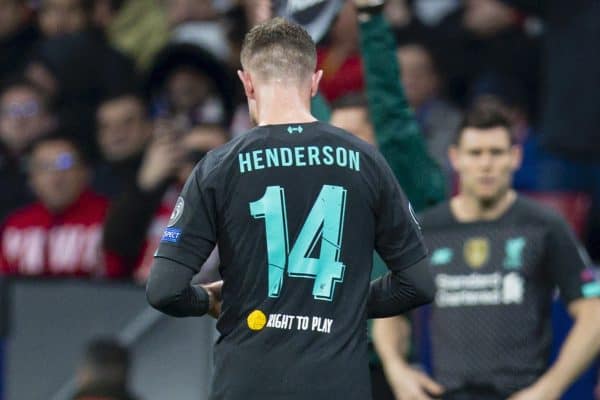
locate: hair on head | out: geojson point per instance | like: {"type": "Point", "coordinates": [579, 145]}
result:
{"type": "Point", "coordinates": [486, 113]}
{"type": "Point", "coordinates": [279, 49]}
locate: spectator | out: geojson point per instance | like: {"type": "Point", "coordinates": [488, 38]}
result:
{"type": "Point", "coordinates": [105, 362]}
{"type": "Point", "coordinates": [151, 162]}
{"type": "Point", "coordinates": [338, 56]}
{"type": "Point", "coordinates": [17, 37]}
{"type": "Point", "coordinates": [140, 40]}
{"type": "Point", "coordinates": [200, 23]}
{"type": "Point", "coordinates": [437, 118]}
{"type": "Point", "coordinates": [24, 117]}
{"type": "Point", "coordinates": [123, 132]}
{"type": "Point", "coordinates": [488, 40]}
{"type": "Point", "coordinates": [61, 17]}
{"type": "Point", "coordinates": [103, 373]}
{"type": "Point", "coordinates": [77, 71]}
{"type": "Point", "coordinates": [571, 107]}
{"type": "Point", "coordinates": [189, 86]}
{"type": "Point", "coordinates": [59, 234]}
{"type": "Point", "coordinates": [350, 112]}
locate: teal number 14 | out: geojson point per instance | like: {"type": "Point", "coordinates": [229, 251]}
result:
{"type": "Point", "coordinates": [325, 222]}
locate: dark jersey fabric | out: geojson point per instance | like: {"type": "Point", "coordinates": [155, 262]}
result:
{"type": "Point", "coordinates": [306, 342]}
{"type": "Point", "coordinates": [490, 322]}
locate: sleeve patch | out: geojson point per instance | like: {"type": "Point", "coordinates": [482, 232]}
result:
{"type": "Point", "coordinates": [171, 235]}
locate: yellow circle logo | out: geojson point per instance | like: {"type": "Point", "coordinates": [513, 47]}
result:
{"type": "Point", "coordinates": [257, 320]}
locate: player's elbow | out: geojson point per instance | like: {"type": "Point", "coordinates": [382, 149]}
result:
{"type": "Point", "coordinates": [158, 297]}
{"type": "Point", "coordinates": [425, 291]}
{"type": "Point", "coordinates": [164, 287]}
{"type": "Point", "coordinates": [420, 281]}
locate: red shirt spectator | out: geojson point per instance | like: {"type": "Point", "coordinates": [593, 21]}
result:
{"type": "Point", "coordinates": [35, 241]}
{"type": "Point", "coordinates": [59, 234]}
{"type": "Point", "coordinates": [340, 57]}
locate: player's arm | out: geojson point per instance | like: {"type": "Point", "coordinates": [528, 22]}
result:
{"type": "Point", "coordinates": [391, 337]}
{"type": "Point", "coordinates": [169, 290]}
{"type": "Point", "coordinates": [577, 352]}
{"type": "Point", "coordinates": [400, 244]}
{"type": "Point", "coordinates": [186, 244]}
{"type": "Point", "coordinates": [400, 291]}
{"type": "Point", "coordinates": [567, 264]}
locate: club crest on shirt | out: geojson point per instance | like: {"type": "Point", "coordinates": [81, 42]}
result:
{"type": "Point", "coordinates": [514, 252]}
{"type": "Point", "coordinates": [177, 212]}
{"type": "Point", "coordinates": [476, 252]}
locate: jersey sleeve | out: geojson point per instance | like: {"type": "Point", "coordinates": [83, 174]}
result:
{"type": "Point", "coordinates": [398, 236]}
{"type": "Point", "coordinates": [191, 233]}
{"type": "Point", "coordinates": [568, 264]}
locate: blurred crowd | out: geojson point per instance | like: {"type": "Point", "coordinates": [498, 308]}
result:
{"type": "Point", "coordinates": [107, 105]}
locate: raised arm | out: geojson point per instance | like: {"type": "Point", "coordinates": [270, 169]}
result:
{"type": "Point", "coordinates": [398, 136]}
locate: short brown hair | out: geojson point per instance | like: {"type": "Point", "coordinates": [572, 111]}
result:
{"type": "Point", "coordinates": [279, 49]}
{"type": "Point", "coordinates": [487, 113]}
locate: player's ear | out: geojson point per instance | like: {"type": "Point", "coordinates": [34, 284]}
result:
{"type": "Point", "coordinates": [453, 157]}
{"type": "Point", "coordinates": [516, 153]}
{"type": "Point", "coordinates": [247, 83]}
{"type": "Point", "coordinates": [315, 80]}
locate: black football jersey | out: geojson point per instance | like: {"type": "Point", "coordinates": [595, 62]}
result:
{"type": "Point", "coordinates": [297, 211]}
{"type": "Point", "coordinates": [491, 318]}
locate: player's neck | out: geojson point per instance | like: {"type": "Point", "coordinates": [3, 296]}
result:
{"type": "Point", "coordinates": [467, 208]}
{"type": "Point", "coordinates": [278, 104]}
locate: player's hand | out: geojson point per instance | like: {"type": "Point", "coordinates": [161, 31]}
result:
{"type": "Point", "coordinates": [535, 392]}
{"type": "Point", "coordinates": [410, 384]}
{"type": "Point", "coordinates": [214, 298]}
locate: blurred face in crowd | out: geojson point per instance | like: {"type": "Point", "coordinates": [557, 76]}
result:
{"type": "Point", "coordinates": [23, 117]}
{"type": "Point", "coordinates": [57, 174]}
{"type": "Point", "coordinates": [123, 129]}
{"type": "Point", "coordinates": [488, 17]}
{"type": "Point", "coordinates": [187, 88]}
{"type": "Point", "coordinates": [12, 15]}
{"type": "Point", "coordinates": [485, 161]}
{"type": "Point", "coordinates": [180, 11]}
{"type": "Point", "coordinates": [59, 17]}
{"type": "Point", "coordinates": [39, 74]}
{"type": "Point", "coordinates": [397, 12]}
{"type": "Point", "coordinates": [419, 77]}
{"type": "Point", "coordinates": [356, 121]}
{"type": "Point", "coordinates": [197, 142]}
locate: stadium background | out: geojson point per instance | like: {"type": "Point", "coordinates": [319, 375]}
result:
{"type": "Point", "coordinates": [67, 65]}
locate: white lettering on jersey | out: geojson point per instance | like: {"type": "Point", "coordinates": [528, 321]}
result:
{"type": "Point", "coordinates": [31, 254]}
{"type": "Point", "coordinates": [65, 249]}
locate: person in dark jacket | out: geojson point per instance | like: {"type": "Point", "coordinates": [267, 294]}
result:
{"type": "Point", "coordinates": [77, 71]}
{"type": "Point", "coordinates": [18, 36]}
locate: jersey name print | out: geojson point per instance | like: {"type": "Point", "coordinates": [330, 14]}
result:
{"type": "Point", "coordinates": [297, 214]}
{"type": "Point", "coordinates": [299, 156]}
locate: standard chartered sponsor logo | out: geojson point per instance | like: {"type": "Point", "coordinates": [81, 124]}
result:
{"type": "Point", "coordinates": [512, 289]}
{"type": "Point", "coordinates": [471, 281]}
{"type": "Point", "coordinates": [479, 289]}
